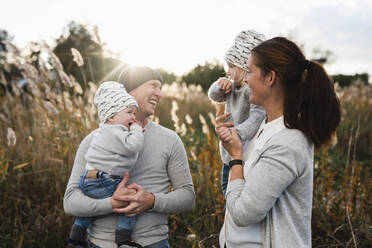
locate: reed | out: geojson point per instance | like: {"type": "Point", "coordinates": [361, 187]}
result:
{"type": "Point", "coordinates": [43, 123]}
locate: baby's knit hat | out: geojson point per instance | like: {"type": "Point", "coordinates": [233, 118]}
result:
{"type": "Point", "coordinates": [245, 41]}
{"type": "Point", "coordinates": [111, 98]}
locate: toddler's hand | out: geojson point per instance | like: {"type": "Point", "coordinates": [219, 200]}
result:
{"type": "Point", "coordinates": [224, 133]}
{"type": "Point", "coordinates": [225, 84]}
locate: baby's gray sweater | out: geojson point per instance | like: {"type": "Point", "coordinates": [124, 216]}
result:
{"type": "Point", "coordinates": [161, 163]}
{"type": "Point", "coordinates": [278, 191]}
{"type": "Point", "coordinates": [114, 149]}
{"type": "Point", "coordinates": [246, 117]}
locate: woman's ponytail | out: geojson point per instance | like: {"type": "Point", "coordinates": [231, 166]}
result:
{"type": "Point", "coordinates": [311, 104]}
{"type": "Point", "coordinates": [319, 110]}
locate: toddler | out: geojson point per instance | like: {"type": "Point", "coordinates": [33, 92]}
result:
{"type": "Point", "coordinates": [235, 93]}
{"type": "Point", "coordinates": [113, 151]}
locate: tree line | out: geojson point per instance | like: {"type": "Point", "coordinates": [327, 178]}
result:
{"type": "Point", "coordinates": [100, 64]}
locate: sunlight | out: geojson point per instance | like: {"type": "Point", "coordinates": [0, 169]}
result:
{"type": "Point", "coordinates": [113, 72]}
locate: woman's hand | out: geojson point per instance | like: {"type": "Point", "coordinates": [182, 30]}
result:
{"type": "Point", "coordinates": [233, 144]}
{"type": "Point", "coordinates": [234, 147]}
{"type": "Point", "coordinates": [230, 139]}
{"type": "Point", "coordinates": [121, 190]}
{"type": "Point", "coordinates": [140, 202]}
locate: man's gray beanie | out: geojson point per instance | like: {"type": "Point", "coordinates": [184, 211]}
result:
{"type": "Point", "coordinates": [134, 76]}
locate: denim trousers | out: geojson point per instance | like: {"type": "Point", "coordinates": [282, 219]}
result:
{"type": "Point", "coordinates": [102, 187]}
{"type": "Point", "coordinates": [161, 244]}
{"type": "Point", "coordinates": [224, 179]}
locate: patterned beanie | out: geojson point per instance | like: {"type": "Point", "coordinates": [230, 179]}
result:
{"type": "Point", "coordinates": [110, 99]}
{"type": "Point", "coordinates": [134, 76]}
{"type": "Point", "coordinates": [245, 41]}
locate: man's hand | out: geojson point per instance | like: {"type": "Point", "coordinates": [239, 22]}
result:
{"type": "Point", "coordinates": [140, 202]}
{"type": "Point", "coordinates": [225, 84]}
{"type": "Point", "coordinates": [121, 190]}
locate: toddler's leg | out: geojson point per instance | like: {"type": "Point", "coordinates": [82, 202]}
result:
{"type": "Point", "coordinates": [79, 231]}
{"type": "Point", "coordinates": [224, 179]}
{"type": "Point", "coordinates": [124, 232]}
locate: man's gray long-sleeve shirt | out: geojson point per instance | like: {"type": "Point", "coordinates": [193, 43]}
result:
{"type": "Point", "coordinates": [161, 163]}
{"type": "Point", "coordinates": [245, 116]}
{"type": "Point", "coordinates": [114, 148]}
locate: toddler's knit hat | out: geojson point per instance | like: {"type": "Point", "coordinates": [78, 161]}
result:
{"type": "Point", "coordinates": [111, 98]}
{"type": "Point", "coordinates": [245, 41]}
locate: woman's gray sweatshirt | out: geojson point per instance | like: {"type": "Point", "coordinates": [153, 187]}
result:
{"type": "Point", "coordinates": [278, 190]}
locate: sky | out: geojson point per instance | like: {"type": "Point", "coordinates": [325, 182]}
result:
{"type": "Point", "coordinates": [177, 35]}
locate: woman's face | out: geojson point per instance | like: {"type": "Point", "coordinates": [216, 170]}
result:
{"type": "Point", "coordinates": [260, 90]}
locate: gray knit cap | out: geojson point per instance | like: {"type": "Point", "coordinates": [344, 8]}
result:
{"type": "Point", "coordinates": [245, 41]}
{"type": "Point", "coordinates": [111, 98]}
{"type": "Point", "coordinates": [134, 76]}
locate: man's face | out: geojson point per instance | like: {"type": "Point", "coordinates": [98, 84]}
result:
{"type": "Point", "coordinates": [147, 96]}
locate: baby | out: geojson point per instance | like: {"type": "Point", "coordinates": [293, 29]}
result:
{"type": "Point", "coordinates": [113, 151]}
{"type": "Point", "coordinates": [245, 116]}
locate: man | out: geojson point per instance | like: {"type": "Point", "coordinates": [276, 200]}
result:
{"type": "Point", "coordinates": [162, 163]}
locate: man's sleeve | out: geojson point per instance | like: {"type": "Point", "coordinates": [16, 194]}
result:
{"type": "Point", "coordinates": [74, 201]}
{"type": "Point", "coordinates": [182, 197]}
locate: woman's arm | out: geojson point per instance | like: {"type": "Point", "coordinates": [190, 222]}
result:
{"type": "Point", "coordinates": [74, 201]}
{"type": "Point", "coordinates": [233, 145]}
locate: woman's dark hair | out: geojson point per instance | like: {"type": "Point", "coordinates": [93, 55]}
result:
{"type": "Point", "coordinates": [311, 104]}
{"type": "Point", "coordinates": [133, 76]}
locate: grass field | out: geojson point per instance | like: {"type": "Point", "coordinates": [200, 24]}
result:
{"type": "Point", "coordinates": [43, 123]}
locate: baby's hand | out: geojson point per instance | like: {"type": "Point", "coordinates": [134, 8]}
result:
{"type": "Point", "coordinates": [138, 123]}
{"type": "Point", "coordinates": [225, 84]}
{"type": "Point", "coordinates": [135, 121]}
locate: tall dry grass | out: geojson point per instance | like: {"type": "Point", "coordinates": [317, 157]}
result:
{"type": "Point", "coordinates": [43, 123]}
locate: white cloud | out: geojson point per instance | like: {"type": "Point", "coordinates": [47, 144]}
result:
{"type": "Point", "coordinates": [348, 35]}
{"type": "Point", "coordinates": [176, 35]}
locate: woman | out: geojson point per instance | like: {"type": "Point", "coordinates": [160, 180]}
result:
{"type": "Point", "coordinates": [269, 202]}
